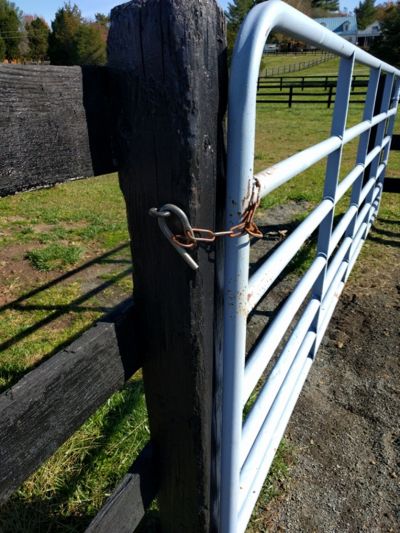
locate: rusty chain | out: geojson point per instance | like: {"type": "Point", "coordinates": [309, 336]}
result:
{"type": "Point", "coordinates": [193, 236]}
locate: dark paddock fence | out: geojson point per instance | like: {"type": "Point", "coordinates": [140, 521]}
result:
{"type": "Point", "coordinates": [290, 90]}
{"type": "Point", "coordinates": [300, 65]}
{"type": "Point", "coordinates": [154, 113]}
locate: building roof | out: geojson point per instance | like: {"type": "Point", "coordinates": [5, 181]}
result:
{"type": "Point", "coordinates": [373, 30]}
{"type": "Point", "coordinates": [340, 25]}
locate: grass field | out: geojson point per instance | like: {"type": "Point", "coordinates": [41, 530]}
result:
{"type": "Point", "coordinates": [76, 233]}
{"type": "Point", "coordinates": [327, 68]}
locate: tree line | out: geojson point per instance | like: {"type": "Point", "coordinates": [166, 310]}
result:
{"type": "Point", "coordinates": [71, 39]}
{"type": "Point", "coordinates": [387, 47]}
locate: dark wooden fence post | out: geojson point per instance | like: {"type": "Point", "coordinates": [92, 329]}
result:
{"type": "Point", "coordinates": [168, 59]}
{"type": "Point", "coordinates": [330, 96]}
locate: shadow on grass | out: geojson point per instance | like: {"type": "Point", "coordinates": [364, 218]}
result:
{"type": "Point", "coordinates": [12, 372]}
{"type": "Point", "coordinates": [26, 513]}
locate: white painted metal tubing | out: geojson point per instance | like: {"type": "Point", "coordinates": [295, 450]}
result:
{"type": "Point", "coordinates": [337, 260]}
{"type": "Point", "coordinates": [371, 182]}
{"type": "Point", "coordinates": [258, 482]}
{"type": "Point", "coordinates": [265, 435]}
{"type": "Point", "coordinates": [264, 18]}
{"type": "Point", "coordinates": [341, 227]}
{"type": "Point", "coordinates": [330, 300]}
{"type": "Point", "coordinates": [359, 239]}
{"type": "Point", "coordinates": [269, 451]}
{"type": "Point", "coordinates": [366, 189]}
{"type": "Point", "coordinates": [348, 181]}
{"type": "Point", "coordinates": [264, 277]}
{"type": "Point", "coordinates": [363, 214]}
{"type": "Point", "coordinates": [358, 129]}
{"type": "Point", "coordinates": [273, 177]}
{"type": "Point", "coordinates": [268, 343]}
{"type": "Point", "coordinates": [351, 177]}
{"type": "Point", "coordinates": [271, 387]}
{"type": "Point", "coordinates": [328, 312]}
{"type": "Point", "coordinates": [264, 352]}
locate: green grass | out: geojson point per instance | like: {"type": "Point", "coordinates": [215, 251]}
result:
{"type": "Point", "coordinates": [46, 234]}
{"type": "Point", "coordinates": [54, 257]}
{"type": "Point", "coordinates": [327, 68]}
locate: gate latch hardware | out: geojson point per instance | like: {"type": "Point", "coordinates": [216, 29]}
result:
{"type": "Point", "coordinates": [191, 237]}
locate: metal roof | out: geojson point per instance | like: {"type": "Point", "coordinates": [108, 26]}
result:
{"type": "Point", "coordinates": [340, 25]}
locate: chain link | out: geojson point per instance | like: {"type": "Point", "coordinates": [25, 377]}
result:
{"type": "Point", "coordinates": [193, 236]}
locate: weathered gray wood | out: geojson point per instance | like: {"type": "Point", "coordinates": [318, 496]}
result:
{"type": "Point", "coordinates": [127, 505]}
{"type": "Point", "coordinates": [170, 70]}
{"type": "Point", "coordinates": [55, 125]}
{"type": "Point", "coordinates": [48, 404]}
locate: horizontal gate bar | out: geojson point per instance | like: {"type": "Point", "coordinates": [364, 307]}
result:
{"type": "Point", "coordinates": [264, 277]}
{"type": "Point", "coordinates": [267, 345]}
{"type": "Point", "coordinates": [337, 260]}
{"type": "Point", "coordinates": [348, 181]}
{"type": "Point", "coordinates": [341, 227]}
{"type": "Point", "coordinates": [264, 467]}
{"type": "Point", "coordinates": [274, 381]}
{"type": "Point", "coordinates": [273, 177]}
{"type": "Point", "coordinates": [264, 449]}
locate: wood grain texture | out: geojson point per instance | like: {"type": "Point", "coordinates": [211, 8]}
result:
{"type": "Point", "coordinates": [170, 74]}
{"type": "Point", "coordinates": [127, 505]}
{"type": "Point", "coordinates": [52, 401]}
{"type": "Point", "coordinates": [55, 125]}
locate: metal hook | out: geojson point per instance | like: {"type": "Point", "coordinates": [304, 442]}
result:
{"type": "Point", "coordinates": [162, 214]}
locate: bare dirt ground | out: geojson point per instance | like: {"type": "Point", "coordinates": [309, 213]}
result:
{"type": "Point", "coordinates": [344, 432]}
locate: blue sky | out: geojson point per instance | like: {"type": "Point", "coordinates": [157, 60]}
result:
{"type": "Point", "coordinates": [47, 8]}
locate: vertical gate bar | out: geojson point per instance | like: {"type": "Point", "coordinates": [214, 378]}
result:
{"type": "Point", "coordinates": [391, 121]}
{"type": "Point", "coordinates": [241, 139]}
{"type": "Point", "coordinates": [382, 106]}
{"type": "Point", "coordinates": [363, 149]}
{"type": "Point", "coordinates": [332, 173]}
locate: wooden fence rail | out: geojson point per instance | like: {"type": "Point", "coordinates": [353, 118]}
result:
{"type": "Point", "coordinates": [42, 410]}
{"type": "Point", "coordinates": [56, 124]}
{"type": "Point", "coordinates": [306, 91]}
{"type": "Point", "coordinates": [296, 67]}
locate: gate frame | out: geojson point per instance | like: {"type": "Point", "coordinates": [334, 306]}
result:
{"type": "Point", "coordinates": [245, 189]}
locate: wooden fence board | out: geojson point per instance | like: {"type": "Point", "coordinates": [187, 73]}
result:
{"type": "Point", "coordinates": [55, 125]}
{"type": "Point", "coordinates": [127, 505]}
{"type": "Point", "coordinates": [47, 405]}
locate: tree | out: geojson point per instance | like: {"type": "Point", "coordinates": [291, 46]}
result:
{"type": "Point", "coordinates": [38, 36]}
{"type": "Point", "coordinates": [103, 20]}
{"type": "Point", "coordinates": [388, 47]}
{"type": "Point", "coordinates": [10, 25]}
{"type": "Point", "coordinates": [365, 13]}
{"type": "Point", "coordinates": [324, 7]}
{"type": "Point", "coordinates": [74, 41]}
{"type": "Point", "coordinates": [235, 14]}
{"type": "Point", "coordinates": [90, 47]}
{"type": "Point", "coordinates": [62, 40]}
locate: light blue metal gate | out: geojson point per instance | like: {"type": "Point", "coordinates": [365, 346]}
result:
{"type": "Point", "coordinates": [249, 445]}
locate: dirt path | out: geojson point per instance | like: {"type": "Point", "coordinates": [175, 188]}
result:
{"type": "Point", "coordinates": [344, 432]}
